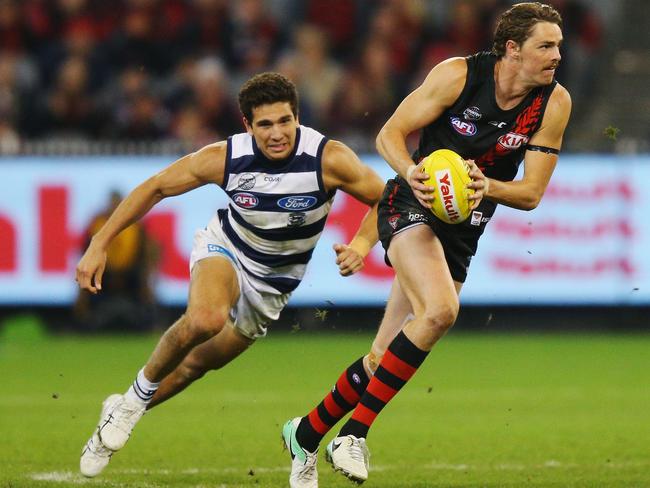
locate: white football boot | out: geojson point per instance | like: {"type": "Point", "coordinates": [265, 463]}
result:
{"type": "Point", "coordinates": [95, 456]}
{"type": "Point", "coordinates": [350, 456]}
{"type": "Point", "coordinates": [303, 463]}
{"type": "Point", "coordinates": [119, 419]}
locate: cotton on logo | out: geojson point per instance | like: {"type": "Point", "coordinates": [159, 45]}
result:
{"type": "Point", "coordinates": [512, 140]}
{"type": "Point", "coordinates": [462, 127]}
{"type": "Point", "coordinates": [245, 200]}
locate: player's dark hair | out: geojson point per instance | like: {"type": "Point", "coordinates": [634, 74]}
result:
{"type": "Point", "coordinates": [517, 23]}
{"type": "Point", "coordinates": [265, 89]}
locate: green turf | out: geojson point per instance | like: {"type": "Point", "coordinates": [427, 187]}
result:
{"type": "Point", "coordinates": [483, 411]}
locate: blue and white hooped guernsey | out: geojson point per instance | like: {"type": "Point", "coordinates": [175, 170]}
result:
{"type": "Point", "coordinates": [277, 210]}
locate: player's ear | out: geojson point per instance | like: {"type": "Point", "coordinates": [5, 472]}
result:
{"type": "Point", "coordinates": [247, 125]}
{"type": "Point", "coordinates": [512, 49]}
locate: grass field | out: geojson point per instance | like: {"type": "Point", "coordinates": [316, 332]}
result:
{"type": "Point", "coordinates": [483, 411]}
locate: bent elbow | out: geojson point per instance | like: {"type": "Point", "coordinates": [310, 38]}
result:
{"type": "Point", "coordinates": [379, 140]}
{"type": "Point", "coordinates": [532, 203]}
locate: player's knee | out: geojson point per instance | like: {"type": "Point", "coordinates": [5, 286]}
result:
{"type": "Point", "coordinates": [206, 322]}
{"type": "Point", "coordinates": [441, 318]}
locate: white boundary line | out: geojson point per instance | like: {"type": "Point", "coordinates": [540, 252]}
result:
{"type": "Point", "coordinates": [76, 478]}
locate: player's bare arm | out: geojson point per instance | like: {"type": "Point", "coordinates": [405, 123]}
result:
{"type": "Point", "coordinates": [441, 88]}
{"type": "Point", "coordinates": [526, 193]}
{"type": "Point", "coordinates": [192, 171]}
{"type": "Point", "coordinates": [342, 169]}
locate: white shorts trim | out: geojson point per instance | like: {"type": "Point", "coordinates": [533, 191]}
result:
{"type": "Point", "coordinates": [410, 226]}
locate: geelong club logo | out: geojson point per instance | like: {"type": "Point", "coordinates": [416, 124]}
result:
{"type": "Point", "coordinates": [296, 219]}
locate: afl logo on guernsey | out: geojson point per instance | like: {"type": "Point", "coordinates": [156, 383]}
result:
{"type": "Point", "coordinates": [512, 140]}
{"type": "Point", "coordinates": [463, 127]}
{"type": "Point", "coordinates": [297, 203]}
{"type": "Point", "coordinates": [245, 200]}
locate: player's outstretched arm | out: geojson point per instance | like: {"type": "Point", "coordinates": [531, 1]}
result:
{"type": "Point", "coordinates": [342, 169]}
{"type": "Point", "coordinates": [526, 193]}
{"type": "Point", "coordinates": [192, 171]}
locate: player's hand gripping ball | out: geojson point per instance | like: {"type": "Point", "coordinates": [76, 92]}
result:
{"type": "Point", "coordinates": [449, 175]}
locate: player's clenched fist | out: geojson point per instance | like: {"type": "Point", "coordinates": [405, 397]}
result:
{"type": "Point", "coordinates": [348, 259]}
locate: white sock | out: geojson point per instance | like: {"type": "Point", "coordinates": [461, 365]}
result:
{"type": "Point", "coordinates": [142, 390]}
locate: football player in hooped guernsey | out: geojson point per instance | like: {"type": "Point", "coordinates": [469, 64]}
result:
{"type": "Point", "coordinates": [494, 109]}
{"type": "Point", "coordinates": [281, 178]}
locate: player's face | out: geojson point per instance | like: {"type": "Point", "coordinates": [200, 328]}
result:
{"type": "Point", "coordinates": [540, 54]}
{"type": "Point", "coordinates": [274, 129]}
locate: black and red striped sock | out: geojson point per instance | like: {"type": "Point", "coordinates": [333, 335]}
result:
{"type": "Point", "coordinates": [338, 402]}
{"type": "Point", "coordinates": [401, 361]}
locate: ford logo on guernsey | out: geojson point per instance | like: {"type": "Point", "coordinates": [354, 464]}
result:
{"type": "Point", "coordinates": [245, 200]}
{"type": "Point", "coordinates": [463, 127]}
{"type": "Point", "coordinates": [297, 203]}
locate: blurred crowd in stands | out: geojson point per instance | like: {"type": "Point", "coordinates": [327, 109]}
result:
{"type": "Point", "coordinates": [161, 70]}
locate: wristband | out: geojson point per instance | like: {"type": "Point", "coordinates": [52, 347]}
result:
{"type": "Point", "coordinates": [409, 171]}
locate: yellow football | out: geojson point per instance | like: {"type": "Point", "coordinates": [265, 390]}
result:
{"type": "Point", "coordinates": [449, 175]}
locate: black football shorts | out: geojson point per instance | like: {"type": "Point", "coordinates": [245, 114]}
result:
{"type": "Point", "coordinates": [399, 209]}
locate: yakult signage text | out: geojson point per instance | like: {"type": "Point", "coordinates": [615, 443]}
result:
{"type": "Point", "coordinates": [584, 244]}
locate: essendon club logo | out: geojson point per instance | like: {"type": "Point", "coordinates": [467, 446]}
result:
{"type": "Point", "coordinates": [245, 200]}
{"type": "Point", "coordinates": [463, 127]}
{"type": "Point", "coordinates": [512, 140]}
{"type": "Point", "coordinates": [392, 220]}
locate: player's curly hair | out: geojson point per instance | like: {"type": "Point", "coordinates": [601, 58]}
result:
{"type": "Point", "coordinates": [267, 88]}
{"type": "Point", "coordinates": [517, 22]}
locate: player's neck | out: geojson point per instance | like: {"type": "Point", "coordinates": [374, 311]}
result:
{"type": "Point", "coordinates": [510, 89]}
